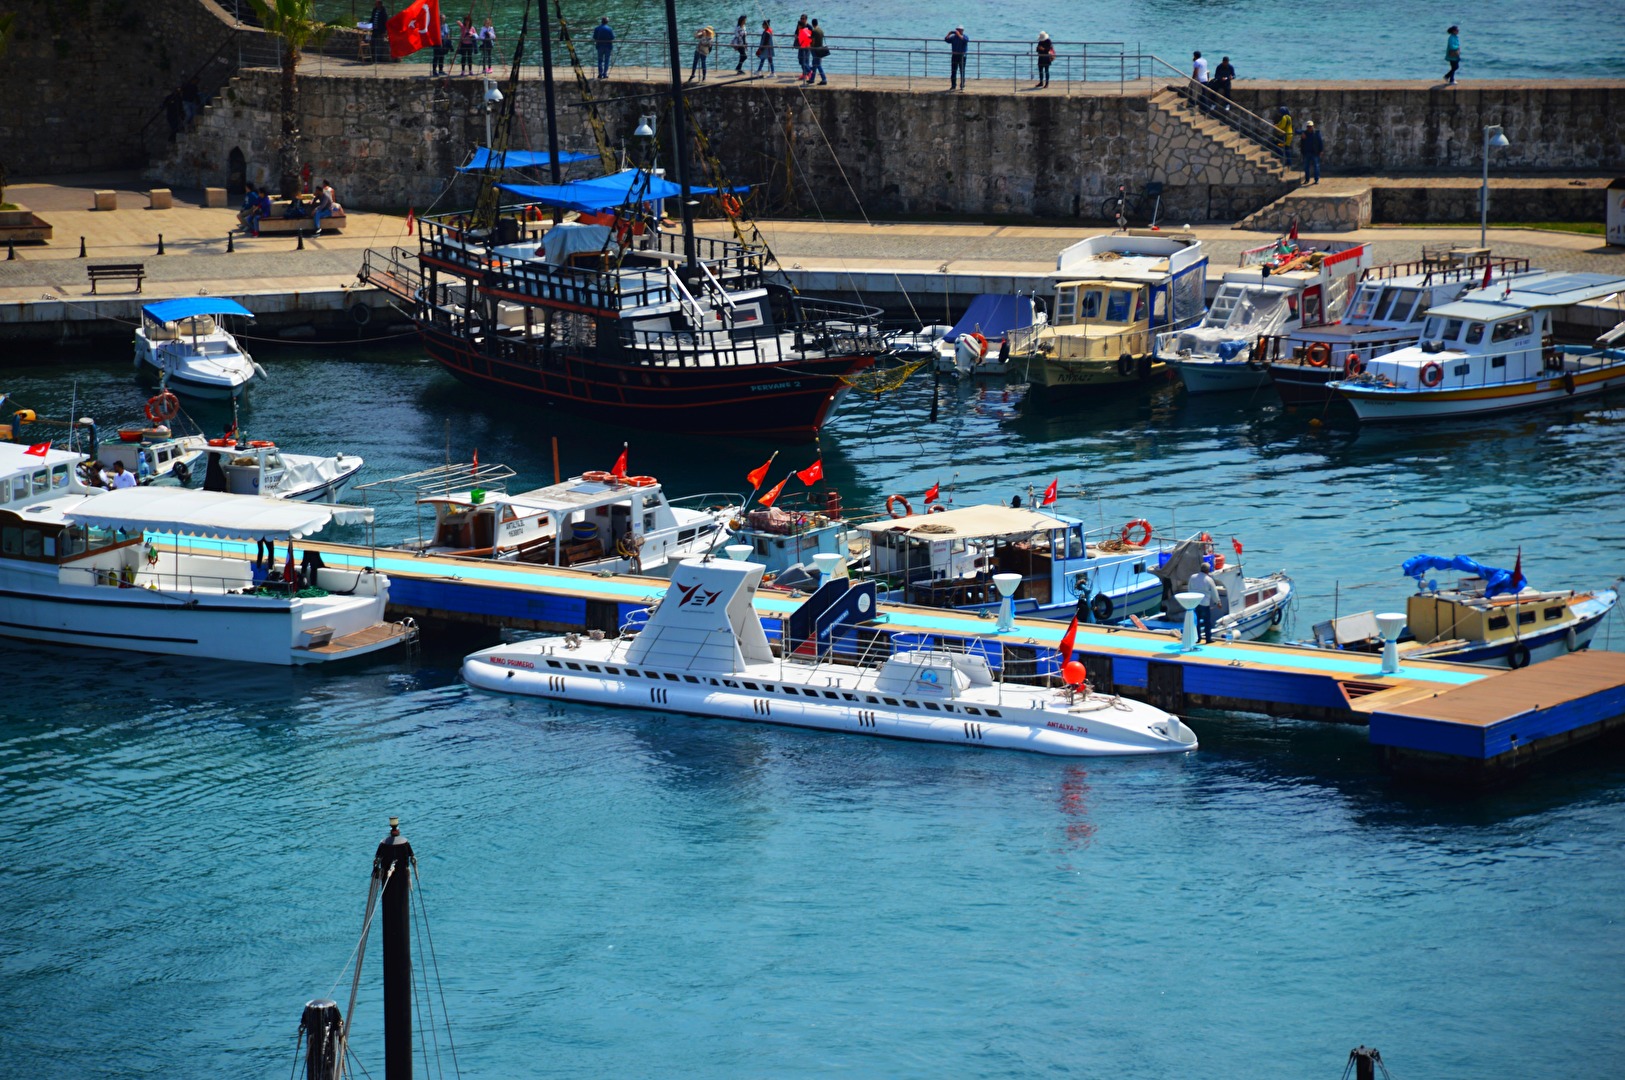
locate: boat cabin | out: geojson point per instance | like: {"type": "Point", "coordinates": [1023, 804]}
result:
{"type": "Point", "coordinates": [1465, 613]}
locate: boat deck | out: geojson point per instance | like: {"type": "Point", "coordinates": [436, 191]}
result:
{"type": "Point", "coordinates": [371, 639]}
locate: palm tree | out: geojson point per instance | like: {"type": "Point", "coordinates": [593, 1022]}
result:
{"type": "Point", "coordinates": [295, 24]}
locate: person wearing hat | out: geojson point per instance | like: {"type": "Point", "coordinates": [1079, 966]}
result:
{"type": "Point", "coordinates": [1452, 54]}
{"type": "Point", "coordinates": [959, 46]}
{"type": "Point", "coordinates": [704, 38]}
{"type": "Point", "coordinates": [1046, 57]}
{"type": "Point", "coordinates": [1311, 145]}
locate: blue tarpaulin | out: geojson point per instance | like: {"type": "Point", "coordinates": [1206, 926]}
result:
{"type": "Point", "coordinates": [170, 310]}
{"type": "Point", "coordinates": [521, 159]}
{"type": "Point", "coordinates": [993, 315]}
{"type": "Point", "coordinates": [604, 192]}
{"type": "Point", "coordinates": [1496, 580]}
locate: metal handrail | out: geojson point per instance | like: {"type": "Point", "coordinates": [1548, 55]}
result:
{"type": "Point", "coordinates": [1247, 124]}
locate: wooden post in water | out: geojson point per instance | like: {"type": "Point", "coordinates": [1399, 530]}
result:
{"type": "Point", "coordinates": [392, 867]}
{"type": "Point", "coordinates": [555, 459]}
{"type": "Point", "coordinates": [323, 1035]}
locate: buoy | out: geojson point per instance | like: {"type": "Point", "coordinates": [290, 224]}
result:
{"type": "Point", "coordinates": [1074, 673]}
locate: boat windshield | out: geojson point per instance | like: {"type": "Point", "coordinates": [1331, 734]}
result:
{"type": "Point", "coordinates": [1401, 303]}
{"type": "Point", "coordinates": [1099, 304]}
{"type": "Point", "coordinates": [1366, 303]}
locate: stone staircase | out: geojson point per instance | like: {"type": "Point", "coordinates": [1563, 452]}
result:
{"type": "Point", "coordinates": [1198, 153]}
{"type": "Point", "coordinates": [1330, 206]}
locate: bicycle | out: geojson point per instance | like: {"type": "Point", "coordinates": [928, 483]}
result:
{"type": "Point", "coordinates": [1126, 206]}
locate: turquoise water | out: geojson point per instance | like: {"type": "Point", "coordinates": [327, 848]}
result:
{"type": "Point", "coordinates": [184, 848]}
{"type": "Point", "coordinates": [1275, 39]}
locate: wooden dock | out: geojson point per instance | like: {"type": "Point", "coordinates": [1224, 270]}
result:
{"type": "Point", "coordinates": [1445, 721]}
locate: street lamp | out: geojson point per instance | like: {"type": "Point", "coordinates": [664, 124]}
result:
{"type": "Point", "coordinates": [493, 98]}
{"type": "Point", "coordinates": [1493, 136]}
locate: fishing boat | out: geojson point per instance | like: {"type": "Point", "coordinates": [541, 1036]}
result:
{"type": "Point", "coordinates": [1114, 294]}
{"type": "Point", "coordinates": [1249, 606]}
{"type": "Point", "coordinates": [138, 569]}
{"type": "Point", "coordinates": [1275, 289]}
{"type": "Point", "coordinates": [245, 466]}
{"type": "Point", "coordinates": [185, 344]}
{"type": "Point", "coordinates": [151, 451]}
{"type": "Point", "coordinates": [702, 650]}
{"type": "Point", "coordinates": [978, 345]}
{"type": "Point", "coordinates": [624, 322]}
{"type": "Point", "coordinates": [1488, 616]}
{"type": "Point", "coordinates": [786, 536]}
{"type": "Point", "coordinates": [1493, 350]}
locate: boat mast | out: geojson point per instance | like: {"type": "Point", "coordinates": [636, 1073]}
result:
{"type": "Point", "coordinates": [679, 119]}
{"type": "Point", "coordinates": [545, 28]}
{"type": "Point", "coordinates": [490, 200]}
{"type": "Point", "coordinates": [392, 869]}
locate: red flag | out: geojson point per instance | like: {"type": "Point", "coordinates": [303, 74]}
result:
{"type": "Point", "coordinates": [768, 499]}
{"type": "Point", "coordinates": [932, 495]}
{"type": "Point", "coordinates": [1068, 639]}
{"type": "Point", "coordinates": [812, 473]}
{"type": "Point", "coordinates": [1293, 233]}
{"type": "Point", "coordinates": [411, 221]}
{"type": "Point", "coordinates": [759, 476]}
{"type": "Point", "coordinates": [1237, 545]}
{"type": "Point", "coordinates": [1486, 277]}
{"type": "Point", "coordinates": [1518, 581]}
{"type": "Point", "coordinates": [476, 473]}
{"type": "Point", "coordinates": [1051, 492]}
{"type": "Point", "coordinates": [39, 449]}
{"type": "Point", "coordinates": [410, 28]}
{"type": "Point", "coordinates": [288, 568]}
{"type": "Point", "coordinates": [619, 468]}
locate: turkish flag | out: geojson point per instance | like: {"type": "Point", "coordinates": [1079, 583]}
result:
{"type": "Point", "coordinates": [771, 496]}
{"type": "Point", "coordinates": [758, 476]}
{"type": "Point", "coordinates": [932, 495]}
{"type": "Point", "coordinates": [1486, 277]}
{"type": "Point", "coordinates": [1051, 492]}
{"type": "Point", "coordinates": [812, 473]}
{"type": "Point", "coordinates": [1293, 234]}
{"type": "Point", "coordinates": [39, 449]}
{"type": "Point", "coordinates": [1519, 582]}
{"type": "Point", "coordinates": [411, 221]}
{"type": "Point", "coordinates": [1237, 545]}
{"type": "Point", "coordinates": [619, 469]}
{"type": "Point", "coordinates": [414, 27]}
{"type": "Point", "coordinates": [1068, 639]}
{"type": "Point", "coordinates": [476, 473]}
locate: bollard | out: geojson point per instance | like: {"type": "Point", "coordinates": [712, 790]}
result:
{"type": "Point", "coordinates": [301, 246]}
{"type": "Point", "coordinates": [160, 243]}
{"type": "Point", "coordinates": [81, 247]}
{"type": "Point", "coordinates": [230, 247]}
{"type": "Point", "coordinates": [11, 251]}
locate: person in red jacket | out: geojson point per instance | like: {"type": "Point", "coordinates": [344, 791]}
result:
{"type": "Point", "coordinates": [804, 48]}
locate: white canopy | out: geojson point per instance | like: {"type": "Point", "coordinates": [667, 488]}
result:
{"type": "Point", "coordinates": [210, 513]}
{"type": "Point", "coordinates": [971, 521]}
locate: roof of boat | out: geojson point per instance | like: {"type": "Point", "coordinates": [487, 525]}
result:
{"type": "Point", "coordinates": [210, 513]}
{"type": "Point", "coordinates": [1555, 289]}
{"type": "Point", "coordinates": [571, 494]}
{"type": "Point", "coordinates": [186, 307]}
{"type": "Point", "coordinates": [16, 456]}
{"type": "Point", "coordinates": [968, 522]}
{"type": "Point", "coordinates": [1135, 256]}
{"type": "Point", "coordinates": [1474, 309]}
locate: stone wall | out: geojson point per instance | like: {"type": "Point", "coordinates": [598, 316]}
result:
{"type": "Point", "coordinates": [84, 80]}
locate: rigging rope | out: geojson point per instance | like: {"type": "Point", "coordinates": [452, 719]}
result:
{"type": "Point", "coordinates": [434, 961]}
{"type": "Point", "coordinates": [606, 154]}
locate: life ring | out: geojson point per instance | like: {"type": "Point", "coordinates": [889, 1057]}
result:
{"type": "Point", "coordinates": [1353, 366]}
{"type": "Point", "coordinates": [1518, 656]}
{"type": "Point", "coordinates": [1259, 353]}
{"type": "Point", "coordinates": [261, 444]}
{"type": "Point", "coordinates": [892, 502]}
{"type": "Point", "coordinates": [623, 232]}
{"type": "Point", "coordinates": [163, 407]}
{"type": "Point", "coordinates": [1277, 615]}
{"type": "Point", "coordinates": [981, 344]}
{"type": "Point", "coordinates": [1432, 373]}
{"type": "Point", "coordinates": [1571, 640]}
{"type": "Point", "coordinates": [360, 314]}
{"type": "Point", "coordinates": [731, 205]}
{"type": "Point", "coordinates": [222, 441]}
{"type": "Point", "coordinates": [598, 476]}
{"type": "Point", "coordinates": [1145, 534]}
{"type": "Point", "coordinates": [1125, 365]}
{"type": "Point", "coordinates": [641, 481]}
{"type": "Point", "coordinates": [1101, 607]}
{"type": "Point", "coordinates": [1320, 354]}
{"type": "Point", "coordinates": [1568, 383]}
{"type": "Point", "coordinates": [937, 509]}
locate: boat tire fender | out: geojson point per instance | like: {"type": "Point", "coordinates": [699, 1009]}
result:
{"type": "Point", "coordinates": [1277, 615]}
{"type": "Point", "coordinates": [1571, 640]}
{"type": "Point", "coordinates": [1353, 366]}
{"type": "Point", "coordinates": [1142, 367]}
{"type": "Point", "coordinates": [1568, 383]}
{"type": "Point", "coordinates": [1518, 656]}
{"type": "Point", "coordinates": [1144, 528]}
{"type": "Point", "coordinates": [1432, 374]}
{"type": "Point", "coordinates": [893, 502]}
{"type": "Point", "coordinates": [360, 314]}
{"type": "Point", "coordinates": [184, 475]}
{"type": "Point", "coordinates": [1101, 607]}
{"type": "Point", "coordinates": [1125, 365]}
{"type": "Point", "coordinates": [1320, 354]}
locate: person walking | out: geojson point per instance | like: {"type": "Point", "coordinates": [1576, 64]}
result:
{"type": "Point", "coordinates": [604, 38]}
{"type": "Point", "coordinates": [959, 48]}
{"type": "Point", "coordinates": [1199, 96]}
{"type": "Point", "coordinates": [1452, 53]}
{"type": "Point", "coordinates": [380, 32]}
{"type": "Point", "coordinates": [804, 48]}
{"type": "Point", "coordinates": [764, 49]}
{"type": "Point", "coordinates": [1311, 146]}
{"type": "Point", "coordinates": [488, 44]}
{"type": "Point", "coordinates": [704, 38]}
{"type": "Point", "coordinates": [1046, 57]}
{"type": "Point", "coordinates": [465, 44]}
{"type": "Point", "coordinates": [1283, 134]}
{"type": "Point", "coordinates": [1208, 613]}
{"type": "Point", "coordinates": [819, 51]}
{"type": "Point", "coordinates": [741, 42]}
{"type": "Point", "coordinates": [1223, 76]}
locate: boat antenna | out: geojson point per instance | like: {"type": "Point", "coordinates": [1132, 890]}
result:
{"type": "Point", "coordinates": [679, 118]}
{"type": "Point", "coordinates": [496, 155]}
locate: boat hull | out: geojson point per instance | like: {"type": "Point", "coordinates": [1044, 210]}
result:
{"type": "Point", "coordinates": [1221, 376]}
{"type": "Point", "coordinates": [1062, 376]}
{"type": "Point", "coordinates": [1378, 405]}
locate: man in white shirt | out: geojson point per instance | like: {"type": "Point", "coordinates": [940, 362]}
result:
{"type": "Point", "coordinates": [1199, 75]}
{"type": "Point", "coordinates": [120, 478]}
{"type": "Point", "coordinates": [1202, 582]}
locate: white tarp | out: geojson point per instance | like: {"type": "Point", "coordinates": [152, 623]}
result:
{"type": "Point", "coordinates": [972, 521]}
{"type": "Point", "coordinates": [566, 239]}
{"type": "Point", "coordinates": [210, 513]}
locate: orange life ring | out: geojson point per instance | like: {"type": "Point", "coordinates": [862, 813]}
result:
{"type": "Point", "coordinates": [1353, 365]}
{"type": "Point", "coordinates": [981, 344]}
{"type": "Point", "coordinates": [163, 407]}
{"type": "Point", "coordinates": [1320, 354]}
{"type": "Point", "coordinates": [222, 442]}
{"type": "Point", "coordinates": [261, 444]}
{"type": "Point", "coordinates": [1145, 536]}
{"type": "Point", "coordinates": [891, 506]}
{"type": "Point", "coordinates": [938, 509]}
{"type": "Point", "coordinates": [599, 476]}
{"type": "Point", "coordinates": [1432, 373]}
{"type": "Point", "coordinates": [731, 205]}
{"type": "Point", "coordinates": [641, 481]}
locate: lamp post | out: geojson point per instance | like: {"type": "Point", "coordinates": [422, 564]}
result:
{"type": "Point", "coordinates": [1389, 625]}
{"type": "Point", "coordinates": [1493, 136]}
{"type": "Point", "coordinates": [493, 98]}
{"type": "Point", "coordinates": [1006, 584]}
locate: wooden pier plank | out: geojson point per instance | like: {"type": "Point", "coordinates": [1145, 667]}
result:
{"type": "Point", "coordinates": [1511, 694]}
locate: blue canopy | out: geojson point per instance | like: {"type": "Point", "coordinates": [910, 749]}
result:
{"type": "Point", "coordinates": [520, 159]}
{"type": "Point", "coordinates": [993, 315]}
{"type": "Point", "coordinates": [172, 310]}
{"type": "Point", "coordinates": [1496, 580]}
{"type": "Point", "coordinates": [604, 192]}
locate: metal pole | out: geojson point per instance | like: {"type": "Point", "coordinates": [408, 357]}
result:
{"type": "Point", "coordinates": [680, 132]}
{"type": "Point", "coordinates": [1484, 195]}
{"type": "Point", "coordinates": [392, 866]}
{"type": "Point", "coordinates": [547, 86]}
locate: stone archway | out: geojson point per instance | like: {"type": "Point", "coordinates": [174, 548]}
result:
{"type": "Point", "coordinates": [236, 172]}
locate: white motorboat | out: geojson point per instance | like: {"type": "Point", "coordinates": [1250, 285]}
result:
{"type": "Point", "coordinates": [703, 651]}
{"type": "Point", "coordinates": [121, 570]}
{"type": "Point", "coordinates": [1276, 289]}
{"type": "Point", "coordinates": [184, 342]}
{"type": "Point", "coordinates": [978, 345]}
{"type": "Point", "coordinates": [151, 452]}
{"type": "Point", "coordinates": [1495, 349]}
{"type": "Point", "coordinates": [259, 467]}
{"type": "Point", "coordinates": [1250, 606]}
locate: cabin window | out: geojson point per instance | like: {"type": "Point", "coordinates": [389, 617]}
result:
{"type": "Point", "coordinates": [572, 665]}
{"type": "Point", "coordinates": [1498, 361]}
{"type": "Point", "coordinates": [1399, 308]}
{"type": "Point", "coordinates": [768, 687]}
{"type": "Point", "coordinates": [593, 668]}
{"type": "Point", "coordinates": [1499, 622]}
{"type": "Point", "coordinates": [1452, 329]}
{"type": "Point", "coordinates": [11, 540]}
{"type": "Point", "coordinates": [1365, 304]}
{"type": "Point", "coordinates": [1552, 613]}
{"type": "Point", "coordinates": [686, 535]}
{"type": "Point", "coordinates": [59, 476]}
{"type": "Point", "coordinates": [672, 678]}
{"type": "Point", "coordinates": [5, 493]}
{"type": "Point", "coordinates": [1430, 329]}
{"type": "Point", "coordinates": [634, 673]}
{"type": "Point", "coordinates": [71, 542]}
{"type": "Point", "coordinates": [832, 695]}
{"type": "Point", "coordinates": [933, 706]}
{"type": "Point", "coordinates": [690, 678]}
{"type": "Point", "coordinates": [651, 674]}
{"type": "Point", "coordinates": [1089, 303]}
{"type": "Point", "coordinates": [1118, 305]}
{"type": "Point", "coordinates": [995, 713]}
{"type": "Point", "coordinates": [1525, 618]}
{"type": "Point", "coordinates": [552, 663]}
{"type": "Point", "coordinates": [33, 541]}
{"type": "Point", "coordinates": [1139, 306]}
{"type": "Point", "coordinates": [871, 699]}
{"type": "Point", "coordinates": [888, 701]}
{"type": "Point", "coordinates": [611, 671]}
{"type": "Point", "coordinates": [1159, 306]}
{"type": "Point", "coordinates": [1461, 369]}
{"type": "Point", "coordinates": [973, 710]}
{"type": "Point", "coordinates": [1475, 333]}
{"type": "Point", "coordinates": [850, 697]}
{"type": "Point", "coordinates": [1512, 328]}
{"type": "Point", "coordinates": [42, 481]}
{"type": "Point", "coordinates": [730, 683]}
{"type": "Point", "coordinates": [791, 690]}
{"type": "Point", "coordinates": [911, 704]}
{"type": "Point", "coordinates": [750, 686]}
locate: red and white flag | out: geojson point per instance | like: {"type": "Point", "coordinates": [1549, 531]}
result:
{"type": "Point", "coordinates": [39, 449]}
{"type": "Point", "coordinates": [772, 496]}
{"type": "Point", "coordinates": [758, 476]}
{"type": "Point", "coordinates": [476, 473]}
{"type": "Point", "coordinates": [619, 468]}
{"type": "Point", "coordinates": [1237, 545]}
{"type": "Point", "coordinates": [1486, 277]}
{"type": "Point", "coordinates": [1068, 639]}
{"type": "Point", "coordinates": [414, 27]}
{"type": "Point", "coordinates": [934, 493]}
{"type": "Point", "coordinates": [812, 473]}
{"type": "Point", "coordinates": [1051, 492]}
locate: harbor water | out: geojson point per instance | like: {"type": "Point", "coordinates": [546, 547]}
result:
{"type": "Point", "coordinates": [184, 847]}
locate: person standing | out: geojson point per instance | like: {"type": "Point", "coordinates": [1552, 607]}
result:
{"type": "Point", "coordinates": [959, 48]}
{"type": "Point", "coordinates": [1223, 76]}
{"type": "Point", "coordinates": [465, 45]}
{"type": "Point", "coordinates": [764, 50]}
{"type": "Point", "coordinates": [488, 44]}
{"type": "Point", "coordinates": [604, 38]}
{"type": "Point", "coordinates": [437, 55]}
{"type": "Point", "coordinates": [1452, 53]}
{"type": "Point", "coordinates": [1207, 614]}
{"type": "Point", "coordinates": [741, 41]}
{"type": "Point", "coordinates": [819, 51]}
{"type": "Point", "coordinates": [704, 38]}
{"type": "Point", "coordinates": [1283, 134]}
{"type": "Point", "coordinates": [1311, 146]}
{"type": "Point", "coordinates": [1199, 81]}
{"type": "Point", "coordinates": [804, 48]}
{"type": "Point", "coordinates": [380, 32]}
{"type": "Point", "coordinates": [1046, 57]}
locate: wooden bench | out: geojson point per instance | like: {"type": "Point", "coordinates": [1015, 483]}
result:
{"type": "Point", "coordinates": [116, 271]}
{"type": "Point", "coordinates": [279, 222]}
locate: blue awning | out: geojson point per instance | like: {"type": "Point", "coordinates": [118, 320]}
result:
{"type": "Point", "coordinates": [521, 159]}
{"type": "Point", "coordinates": [605, 192]}
{"type": "Point", "coordinates": [993, 316]}
{"type": "Point", "coordinates": [1496, 580]}
{"type": "Point", "coordinates": [171, 310]}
